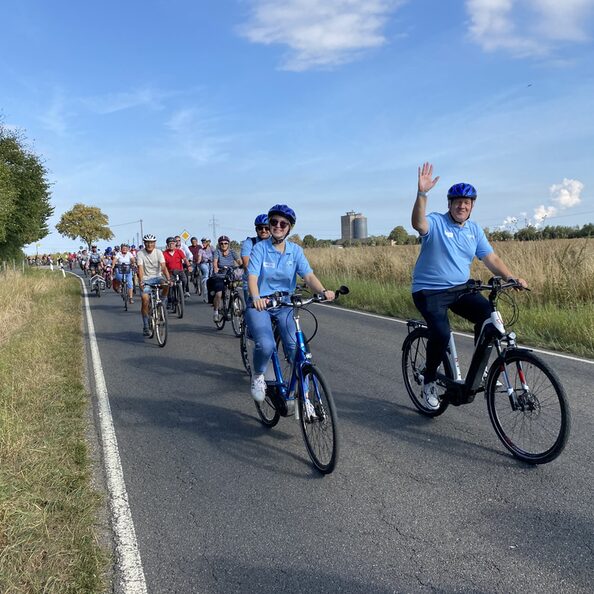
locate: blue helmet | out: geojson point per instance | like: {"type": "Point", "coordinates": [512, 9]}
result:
{"type": "Point", "coordinates": [462, 190]}
{"type": "Point", "coordinates": [108, 250]}
{"type": "Point", "coordinates": [284, 211]}
{"type": "Point", "coordinates": [261, 219]}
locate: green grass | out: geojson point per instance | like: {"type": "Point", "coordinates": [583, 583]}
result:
{"type": "Point", "coordinates": [564, 328]}
{"type": "Point", "coordinates": [48, 508]}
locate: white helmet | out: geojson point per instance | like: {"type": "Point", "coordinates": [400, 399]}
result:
{"type": "Point", "coordinates": [149, 237]}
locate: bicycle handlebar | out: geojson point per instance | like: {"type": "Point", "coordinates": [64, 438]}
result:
{"type": "Point", "coordinates": [297, 298]}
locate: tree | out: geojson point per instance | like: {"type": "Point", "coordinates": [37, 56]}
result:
{"type": "Point", "coordinates": [309, 241]}
{"type": "Point", "coordinates": [295, 238]}
{"type": "Point", "coordinates": [86, 222]}
{"type": "Point", "coordinates": [24, 195]}
{"type": "Point", "coordinates": [399, 235]}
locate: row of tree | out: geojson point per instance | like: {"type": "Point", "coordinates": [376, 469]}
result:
{"type": "Point", "coordinates": [24, 195]}
{"type": "Point", "coordinates": [400, 236]}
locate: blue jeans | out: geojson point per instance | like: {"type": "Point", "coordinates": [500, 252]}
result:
{"type": "Point", "coordinates": [205, 270]}
{"type": "Point", "coordinates": [260, 326]}
{"type": "Point", "coordinates": [434, 306]}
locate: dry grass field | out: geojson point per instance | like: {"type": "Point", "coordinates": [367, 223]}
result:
{"type": "Point", "coordinates": [557, 313]}
{"type": "Point", "coordinates": [48, 507]}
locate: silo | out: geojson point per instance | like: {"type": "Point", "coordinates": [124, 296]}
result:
{"type": "Point", "coordinates": [360, 227]}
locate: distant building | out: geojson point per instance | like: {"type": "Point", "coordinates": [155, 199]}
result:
{"type": "Point", "coordinates": [353, 225]}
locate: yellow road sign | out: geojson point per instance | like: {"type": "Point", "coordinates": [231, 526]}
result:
{"type": "Point", "coordinates": [184, 235]}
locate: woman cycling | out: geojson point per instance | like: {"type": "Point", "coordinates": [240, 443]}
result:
{"type": "Point", "coordinates": [274, 265]}
{"type": "Point", "coordinates": [224, 257]}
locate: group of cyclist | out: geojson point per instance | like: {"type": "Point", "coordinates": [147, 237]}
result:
{"type": "Point", "coordinates": [268, 264]}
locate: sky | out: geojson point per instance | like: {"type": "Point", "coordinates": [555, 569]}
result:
{"type": "Point", "coordinates": [177, 112]}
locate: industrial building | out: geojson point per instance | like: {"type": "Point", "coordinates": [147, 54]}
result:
{"type": "Point", "coordinates": [353, 225]}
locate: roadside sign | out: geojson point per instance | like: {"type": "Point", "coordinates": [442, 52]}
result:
{"type": "Point", "coordinates": [184, 235]}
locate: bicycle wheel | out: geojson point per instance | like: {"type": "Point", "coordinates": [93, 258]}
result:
{"type": "Point", "coordinates": [317, 417]}
{"type": "Point", "coordinates": [414, 354]}
{"type": "Point", "coordinates": [537, 428]}
{"type": "Point", "coordinates": [151, 318]}
{"type": "Point", "coordinates": [97, 289]}
{"type": "Point", "coordinates": [179, 301]}
{"type": "Point", "coordinates": [237, 320]}
{"type": "Point", "coordinates": [161, 324]}
{"type": "Point", "coordinates": [267, 411]}
{"type": "Point", "coordinates": [223, 311]}
{"type": "Point", "coordinates": [244, 348]}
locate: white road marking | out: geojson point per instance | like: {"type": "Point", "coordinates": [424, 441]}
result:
{"type": "Point", "coordinates": [128, 565]}
{"type": "Point", "coordinates": [397, 321]}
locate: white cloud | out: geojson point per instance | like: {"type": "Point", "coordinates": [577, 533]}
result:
{"type": "Point", "coordinates": [541, 213]}
{"type": "Point", "coordinates": [114, 102]}
{"type": "Point", "coordinates": [527, 28]}
{"type": "Point", "coordinates": [195, 132]}
{"type": "Point", "coordinates": [567, 193]}
{"type": "Point", "coordinates": [319, 33]}
{"type": "Point", "coordinates": [54, 117]}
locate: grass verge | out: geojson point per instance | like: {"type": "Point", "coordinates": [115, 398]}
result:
{"type": "Point", "coordinates": [48, 507]}
{"type": "Point", "coordinates": [567, 328]}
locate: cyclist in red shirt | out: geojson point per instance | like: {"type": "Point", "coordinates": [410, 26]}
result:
{"type": "Point", "coordinates": [175, 258]}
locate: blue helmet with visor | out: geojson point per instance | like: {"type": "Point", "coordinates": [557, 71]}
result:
{"type": "Point", "coordinates": [284, 211]}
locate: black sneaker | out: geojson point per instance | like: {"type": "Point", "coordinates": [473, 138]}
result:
{"type": "Point", "coordinates": [146, 331]}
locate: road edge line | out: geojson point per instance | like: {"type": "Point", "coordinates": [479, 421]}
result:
{"type": "Point", "coordinates": [466, 335]}
{"type": "Point", "coordinates": [128, 563]}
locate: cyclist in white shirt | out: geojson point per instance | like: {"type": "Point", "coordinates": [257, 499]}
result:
{"type": "Point", "coordinates": [122, 270]}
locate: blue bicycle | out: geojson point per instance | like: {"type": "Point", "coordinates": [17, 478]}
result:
{"type": "Point", "coordinates": [306, 394]}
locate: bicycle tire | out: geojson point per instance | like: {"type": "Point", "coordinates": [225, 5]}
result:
{"type": "Point", "coordinates": [244, 345]}
{"type": "Point", "coordinates": [546, 396]}
{"type": "Point", "coordinates": [222, 312]}
{"type": "Point", "coordinates": [320, 433]}
{"type": "Point", "coordinates": [267, 412]}
{"type": "Point", "coordinates": [151, 319]}
{"type": "Point", "coordinates": [414, 349]}
{"type": "Point", "coordinates": [237, 320]}
{"type": "Point", "coordinates": [161, 325]}
{"type": "Point", "coordinates": [179, 302]}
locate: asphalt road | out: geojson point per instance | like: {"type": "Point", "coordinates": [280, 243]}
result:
{"type": "Point", "coordinates": [222, 504]}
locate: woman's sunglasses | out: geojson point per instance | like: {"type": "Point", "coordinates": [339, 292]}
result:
{"type": "Point", "coordinates": [223, 243]}
{"type": "Point", "coordinates": [262, 228]}
{"type": "Point", "coordinates": [277, 223]}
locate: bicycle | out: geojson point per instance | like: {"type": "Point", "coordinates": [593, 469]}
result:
{"type": "Point", "coordinates": [107, 276]}
{"type": "Point", "coordinates": [232, 307]}
{"type": "Point", "coordinates": [524, 395]}
{"type": "Point", "coordinates": [157, 316]}
{"type": "Point", "coordinates": [315, 408]}
{"type": "Point", "coordinates": [124, 284]}
{"type": "Point", "coordinates": [175, 297]}
{"type": "Point", "coordinates": [197, 279]}
{"type": "Point", "coordinates": [97, 284]}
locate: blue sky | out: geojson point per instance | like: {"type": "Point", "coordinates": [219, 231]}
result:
{"type": "Point", "coordinates": [177, 111]}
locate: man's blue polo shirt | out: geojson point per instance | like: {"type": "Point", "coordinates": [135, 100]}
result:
{"type": "Point", "coordinates": [276, 271]}
{"type": "Point", "coordinates": [447, 251]}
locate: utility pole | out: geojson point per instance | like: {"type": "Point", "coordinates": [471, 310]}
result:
{"type": "Point", "coordinates": [213, 224]}
{"type": "Point", "coordinates": [141, 231]}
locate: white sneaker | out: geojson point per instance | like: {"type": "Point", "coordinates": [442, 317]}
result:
{"type": "Point", "coordinates": [430, 395]}
{"type": "Point", "coordinates": [258, 388]}
{"type": "Point", "coordinates": [216, 316]}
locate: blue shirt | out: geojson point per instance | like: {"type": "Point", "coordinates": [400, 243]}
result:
{"type": "Point", "coordinates": [276, 271]}
{"type": "Point", "coordinates": [447, 251]}
{"type": "Point", "coordinates": [246, 250]}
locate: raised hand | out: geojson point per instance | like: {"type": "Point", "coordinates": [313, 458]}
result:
{"type": "Point", "coordinates": [425, 177]}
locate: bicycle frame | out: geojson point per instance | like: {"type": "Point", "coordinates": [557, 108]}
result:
{"type": "Point", "coordinates": [302, 355]}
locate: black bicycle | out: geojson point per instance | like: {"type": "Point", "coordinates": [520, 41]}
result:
{"type": "Point", "coordinates": [175, 297]}
{"type": "Point", "coordinates": [197, 279]}
{"type": "Point", "coordinates": [232, 306]}
{"type": "Point", "coordinates": [526, 401]}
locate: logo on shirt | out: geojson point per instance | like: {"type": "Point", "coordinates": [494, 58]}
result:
{"type": "Point", "coordinates": [449, 234]}
{"type": "Point", "coordinates": [268, 264]}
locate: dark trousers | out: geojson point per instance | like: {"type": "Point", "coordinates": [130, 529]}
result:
{"type": "Point", "coordinates": [434, 306]}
